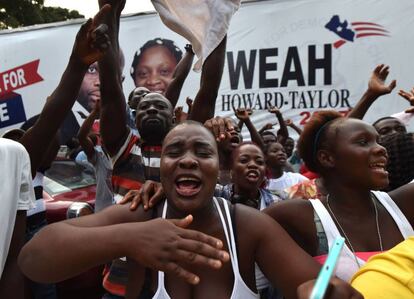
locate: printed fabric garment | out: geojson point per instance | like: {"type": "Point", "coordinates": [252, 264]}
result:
{"type": "Point", "coordinates": [240, 289]}
{"type": "Point", "coordinates": [16, 191]}
{"type": "Point", "coordinates": [304, 190]}
{"type": "Point", "coordinates": [347, 265]}
{"type": "Point", "coordinates": [133, 164]}
{"type": "Point", "coordinates": [287, 180]}
{"type": "Point", "coordinates": [266, 197]}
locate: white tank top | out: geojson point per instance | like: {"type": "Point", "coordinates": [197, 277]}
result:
{"type": "Point", "coordinates": [347, 266]}
{"type": "Point", "coordinates": [240, 289]}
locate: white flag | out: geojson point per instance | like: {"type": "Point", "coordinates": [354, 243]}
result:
{"type": "Point", "coordinates": [204, 23]}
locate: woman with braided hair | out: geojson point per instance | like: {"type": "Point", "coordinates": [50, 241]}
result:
{"type": "Point", "coordinates": [159, 66]}
{"type": "Point", "coordinates": [154, 63]}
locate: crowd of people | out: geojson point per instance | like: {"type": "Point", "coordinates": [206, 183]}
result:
{"type": "Point", "coordinates": [185, 208]}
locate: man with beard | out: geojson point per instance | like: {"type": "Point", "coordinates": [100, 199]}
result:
{"type": "Point", "coordinates": [138, 158]}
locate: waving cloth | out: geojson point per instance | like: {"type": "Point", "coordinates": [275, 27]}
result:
{"type": "Point", "coordinates": [204, 23]}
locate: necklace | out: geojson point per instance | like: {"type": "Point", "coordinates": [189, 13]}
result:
{"type": "Point", "coordinates": [343, 231]}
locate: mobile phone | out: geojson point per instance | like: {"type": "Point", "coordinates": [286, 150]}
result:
{"type": "Point", "coordinates": [328, 267]}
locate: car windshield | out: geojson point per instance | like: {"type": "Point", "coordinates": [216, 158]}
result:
{"type": "Point", "coordinates": [64, 176]}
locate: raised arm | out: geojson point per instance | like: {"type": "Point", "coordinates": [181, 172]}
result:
{"type": "Point", "coordinates": [118, 6]}
{"type": "Point", "coordinates": [292, 125]}
{"type": "Point", "coordinates": [282, 133]}
{"type": "Point", "coordinates": [189, 103]}
{"type": "Point", "coordinates": [376, 88]}
{"type": "Point", "coordinates": [243, 115]}
{"type": "Point", "coordinates": [83, 134]}
{"type": "Point", "coordinates": [205, 101]}
{"type": "Point", "coordinates": [266, 127]}
{"type": "Point", "coordinates": [85, 52]}
{"type": "Point", "coordinates": [409, 96]}
{"type": "Point", "coordinates": [180, 74]}
{"type": "Point", "coordinates": [240, 125]}
{"type": "Point", "coordinates": [113, 120]}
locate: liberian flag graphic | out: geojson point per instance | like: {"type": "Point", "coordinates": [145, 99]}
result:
{"type": "Point", "coordinates": [349, 32]}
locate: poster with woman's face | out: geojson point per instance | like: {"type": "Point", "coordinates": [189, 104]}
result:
{"type": "Point", "coordinates": [154, 64]}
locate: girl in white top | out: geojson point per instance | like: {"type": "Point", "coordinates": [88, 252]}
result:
{"type": "Point", "coordinates": [349, 262]}
{"type": "Point", "coordinates": [346, 154]}
{"type": "Point", "coordinates": [240, 289]}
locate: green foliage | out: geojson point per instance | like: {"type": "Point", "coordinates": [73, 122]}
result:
{"type": "Point", "coordinates": [18, 13]}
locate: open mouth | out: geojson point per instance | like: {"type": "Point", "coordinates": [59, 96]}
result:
{"type": "Point", "coordinates": [282, 159]}
{"type": "Point", "coordinates": [160, 91]}
{"type": "Point", "coordinates": [252, 175]}
{"type": "Point", "coordinates": [187, 186]}
{"type": "Point", "coordinates": [96, 94]}
{"type": "Point", "coordinates": [379, 167]}
{"type": "Point", "coordinates": [94, 98]}
{"type": "Point", "coordinates": [235, 141]}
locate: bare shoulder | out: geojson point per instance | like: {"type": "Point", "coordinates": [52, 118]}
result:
{"type": "Point", "coordinates": [293, 217]}
{"type": "Point", "coordinates": [296, 216]}
{"type": "Point", "coordinates": [249, 218]}
{"type": "Point", "coordinates": [289, 213]}
{"type": "Point", "coordinates": [403, 196]}
{"type": "Point", "coordinates": [252, 224]}
{"type": "Point", "coordinates": [287, 210]}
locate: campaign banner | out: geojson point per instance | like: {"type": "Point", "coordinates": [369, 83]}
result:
{"type": "Point", "coordinates": [11, 110]}
{"type": "Point", "coordinates": [19, 77]}
{"type": "Point", "coordinates": [299, 56]}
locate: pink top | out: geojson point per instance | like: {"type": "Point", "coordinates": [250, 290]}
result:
{"type": "Point", "coordinates": [362, 255]}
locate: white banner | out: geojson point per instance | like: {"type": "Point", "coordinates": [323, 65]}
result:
{"type": "Point", "coordinates": [301, 56]}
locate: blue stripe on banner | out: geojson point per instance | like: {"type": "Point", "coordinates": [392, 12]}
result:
{"type": "Point", "coordinates": [11, 110]}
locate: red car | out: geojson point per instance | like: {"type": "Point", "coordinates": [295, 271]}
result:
{"type": "Point", "coordinates": [69, 191]}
